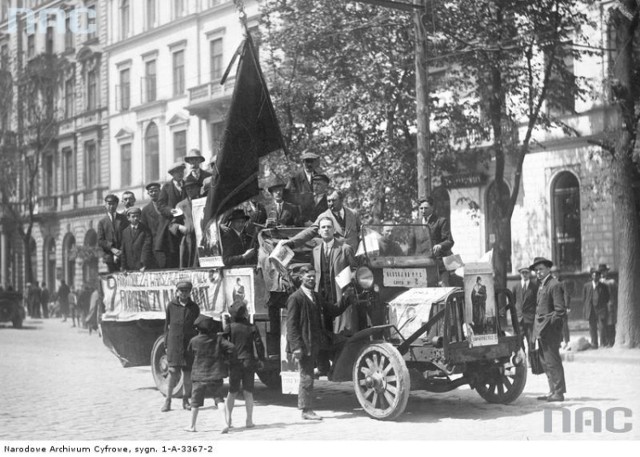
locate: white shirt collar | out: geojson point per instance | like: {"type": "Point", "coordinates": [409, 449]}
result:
{"type": "Point", "coordinates": [308, 293]}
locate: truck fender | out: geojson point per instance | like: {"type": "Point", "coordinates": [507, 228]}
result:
{"type": "Point", "coordinates": [349, 353]}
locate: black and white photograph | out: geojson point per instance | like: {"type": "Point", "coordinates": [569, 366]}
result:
{"type": "Point", "coordinates": [253, 226]}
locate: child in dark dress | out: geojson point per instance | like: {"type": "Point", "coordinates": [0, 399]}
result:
{"type": "Point", "coordinates": [209, 352]}
{"type": "Point", "coordinates": [245, 337]}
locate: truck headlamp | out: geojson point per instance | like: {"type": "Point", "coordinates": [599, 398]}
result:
{"type": "Point", "coordinates": [364, 277]}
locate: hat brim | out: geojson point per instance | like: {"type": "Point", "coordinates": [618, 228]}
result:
{"type": "Point", "coordinates": [181, 167]}
{"type": "Point", "coordinates": [548, 263]}
{"type": "Point", "coordinates": [200, 159]}
{"type": "Point", "coordinates": [276, 186]}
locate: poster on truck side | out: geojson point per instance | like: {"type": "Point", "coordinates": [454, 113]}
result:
{"type": "Point", "coordinates": [480, 304]}
{"type": "Point", "coordinates": [289, 366]}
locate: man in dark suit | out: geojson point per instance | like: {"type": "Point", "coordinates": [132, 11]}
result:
{"type": "Point", "coordinates": [279, 212]}
{"type": "Point", "coordinates": [152, 219]}
{"type": "Point", "coordinates": [236, 245]}
{"type": "Point", "coordinates": [171, 194]}
{"type": "Point", "coordinates": [184, 227]}
{"type": "Point", "coordinates": [612, 305]}
{"type": "Point", "coordinates": [300, 185]}
{"type": "Point", "coordinates": [136, 243]}
{"type": "Point", "coordinates": [346, 223]}
{"type": "Point", "coordinates": [434, 238]}
{"type": "Point", "coordinates": [595, 297]}
{"type": "Point", "coordinates": [320, 189]}
{"type": "Point", "coordinates": [330, 258]}
{"type": "Point", "coordinates": [306, 336]}
{"type": "Point", "coordinates": [110, 230]}
{"type": "Point", "coordinates": [547, 328]}
{"type": "Point", "coordinates": [525, 293]}
{"type": "Point", "coordinates": [194, 159]}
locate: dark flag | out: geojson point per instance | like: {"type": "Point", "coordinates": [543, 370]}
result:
{"type": "Point", "coordinates": [251, 131]}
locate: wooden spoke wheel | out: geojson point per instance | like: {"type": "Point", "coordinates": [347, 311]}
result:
{"type": "Point", "coordinates": [160, 369]}
{"type": "Point", "coordinates": [381, 381]}
{"type": "Point", "coordinates": [503, 383]}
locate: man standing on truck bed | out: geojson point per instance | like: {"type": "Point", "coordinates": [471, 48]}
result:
{"type": "Point", "coordinates": [178, 331]}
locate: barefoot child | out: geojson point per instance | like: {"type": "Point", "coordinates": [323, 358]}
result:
{"type": "Point", "coordinates": [244, 336]}
{"type": "Point", "coordinates": [208, 350]}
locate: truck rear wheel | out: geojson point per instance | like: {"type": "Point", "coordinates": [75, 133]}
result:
{"type": "Point", "coordinates": [503, 383]}
{"type": "Point", "coordinates": [160, 369]}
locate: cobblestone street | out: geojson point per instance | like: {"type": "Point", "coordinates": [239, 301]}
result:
{"type": "Point", "coordinates": [60, 383]}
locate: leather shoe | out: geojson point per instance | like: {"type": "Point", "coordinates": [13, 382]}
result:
{"type": "Point", "coordinates": [556, 397]}
{"type": "Point", "coordinates": [545, 397]}
{"type": "Point", "coordinates": [310, 415]}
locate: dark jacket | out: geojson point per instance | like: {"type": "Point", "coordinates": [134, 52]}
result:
{"type": "Point", "coordinates": [178, 331]}
{"type": "Point", "coordinates": [299, 191]}
{"type": "Point", "coordinates": [550, 309]}
{"type": "Point", "coordinates": [168, 200]}
{"type": "Point", "coordinates": [288, 216]}
{"type": "Point", "coordinates": [244, 337]}
{"type": "Point", "coordinates": [600, 298]}
{"type": "Point", "coordinates": [152, 218]}
{"type": "Point", "coordinates": [110, 236]}
{"type": "Point", "coordinates": [233, 246]}
{"type": "Point", "coordinates": [436, 231]}
{"type": "Point", "coordinates": [209, 353]}
{"type": "Point", "coordinates": [136, 248]}
{"type": "Point", "coordinates": [188, 242]}
{"type": "Point", "coordinates": [204, 174]}
{"type": "Point", "coordinates": [525, 301]}
{"type": "Point", "coordinates": [304, 324]}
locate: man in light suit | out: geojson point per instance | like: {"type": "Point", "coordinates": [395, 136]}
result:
{"type": "Point", "coordinates": [525, 293]}
{"type": "Point", "coordinates": [110, 230]}
{"type": "Point", "coordinates": [194, 159]}
{"type": "Point", "coordinates": [595, 297]}
{"type": "Point", "coordinates": [346, 223]}
{"type": "Point", "coordinates": [136, 243]}
{"type": "Point", "coordinates": [547, 328]}
{"type": "Point", "coordinates": [330, 258]}
{"type": "Point", "coordinates": [184, 227]}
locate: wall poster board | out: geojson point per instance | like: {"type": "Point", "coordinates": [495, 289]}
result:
{"type": "Point", "coordinates": [480, 304]}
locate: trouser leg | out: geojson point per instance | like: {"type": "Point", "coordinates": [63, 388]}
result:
{"type": "Point", "coordinates": [550, 345]}
{"type": "Point", "coordinates": [593, 329]}
{"type": "Point", "coordinates": [305, 390]}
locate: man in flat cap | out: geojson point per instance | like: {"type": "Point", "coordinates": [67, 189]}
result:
{"type": "Point", "coordinates": [110, 230]}
{"type": "Point", "coordinates": [181, 315]}
{"type": "Point", "coordinates": [136, 243]}
{"type": "Point", "coordinates": [171, 194]}
{"type": "Point", "coordinates": [279, 212]}
{"type": "Point", "coordinates": [194, 159]}
{"type": "Point", "coordinates": [612, 304]}
{"type": "Point", "coordinates": [152, 219]}
{"type": "Point", "coordinates": [300, 185]}
{"type": "Point", "coordinates": [236, 245]}
{"type": "Point", "coordinates": [595, 296]}
{"type": "Point", "coordinates": [184, 227]}
{"type": "Point", "coordinates": [547, 328]}
{"type": "Point", "coordinates": [525, 293]}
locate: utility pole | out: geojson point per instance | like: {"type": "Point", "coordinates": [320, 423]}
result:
{"type": "Point", "coordinates": [423, 150]}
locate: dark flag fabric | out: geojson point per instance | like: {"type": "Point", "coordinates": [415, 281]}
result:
{"type": "Point", "coordinates": [251, 131]}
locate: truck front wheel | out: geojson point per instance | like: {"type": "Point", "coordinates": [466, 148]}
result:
{"type": "Point", "coordinates": [160, 369]}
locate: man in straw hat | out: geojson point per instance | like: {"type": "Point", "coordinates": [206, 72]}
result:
{"type": "Point", "coordinates": [547, 328]}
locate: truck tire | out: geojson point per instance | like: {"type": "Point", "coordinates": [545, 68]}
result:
{"type": "Point", "coordinates": [160, 369]}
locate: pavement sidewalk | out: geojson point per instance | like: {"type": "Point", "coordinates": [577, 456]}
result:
{"type": "Point", "coordinates": [618, 355]}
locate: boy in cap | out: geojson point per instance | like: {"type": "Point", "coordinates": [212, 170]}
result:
{"type": "Point", "coordinates": [181, 314]}
{"type": "Point", "coordinates": [209, 352]}
{"type": "Point", "coordinates": [246, 339]}
{"type": "Point", "coordinates": [136, 243]}
{"type": "Point", "coordinates": [110, 230]}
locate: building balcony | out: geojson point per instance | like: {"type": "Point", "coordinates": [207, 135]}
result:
{"type": "Point", "coordinates": [211, 99]}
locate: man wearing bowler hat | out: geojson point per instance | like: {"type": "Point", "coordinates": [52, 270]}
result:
{"type": "Point", "coordinates": [300, 185]}
{"type": "Point", "coordinates": [194, 159]}
{"type": "Point", "coordinates": [595, 297]}
{"type": "Point", "coordinates": [236, 244]}
{"type": "Point", "coordinates": [181, 315]}
{"type": "Point", "coordinates": [547, 328]}
{"type": "Point", "coordinates": [279, 212]}
{"type": "Point", "coordinates": [171, 194]}
{"type": "Point", "coordinates": [110, 230]}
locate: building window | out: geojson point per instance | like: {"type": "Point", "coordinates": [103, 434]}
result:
{"type": "Point", "coordinates": [178, 72]}
{"type": "Point", "coordinates": [151, 14]}
{"type": "Point", "coordinates": [69, 258]}
{"type": "Point", "coordinates": [178, 8]}
{"type": "Point", "coordinates": [491, 205]}
{"type": "Point", "coordinates": [31, 46]}
{"type": "Point", "coordinates": [50, 264]}
{"type": "Point", "coordinates": [68, 174]}
{"type": "Point", "coordinates": [125, 89]}
{"type": "Point", "coordinates": [567, 242]}
{"type": "Point", "coordinates": [92, 90]}
{"type": "Point", "coordinates": [151, 154]}
{"type": "Point", "coordinates": [91, 165]}
{"type": "Point", "coordinates": [125, 165]}
{"type": "Point", "coordinates": [562, 80]}
{"type": "Point", "coordinates": [69, 97]}
{"type": "Point", "coordinates": [150, 77]}
{"type": "Point", "coordinates": [68, 34]}
{"type": "Point", "coordinates": [49, 41]}
{"type": "Point", "coordinates": [92, 23]}
{"type": "Point", "coordinates": [179, 145]}
{"type": "Point", "coordinates": [216, 59]}
{"type": "Point", "coordinates": [124, 19]}
{"type": "Point", "coordinates": [48, 181]}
